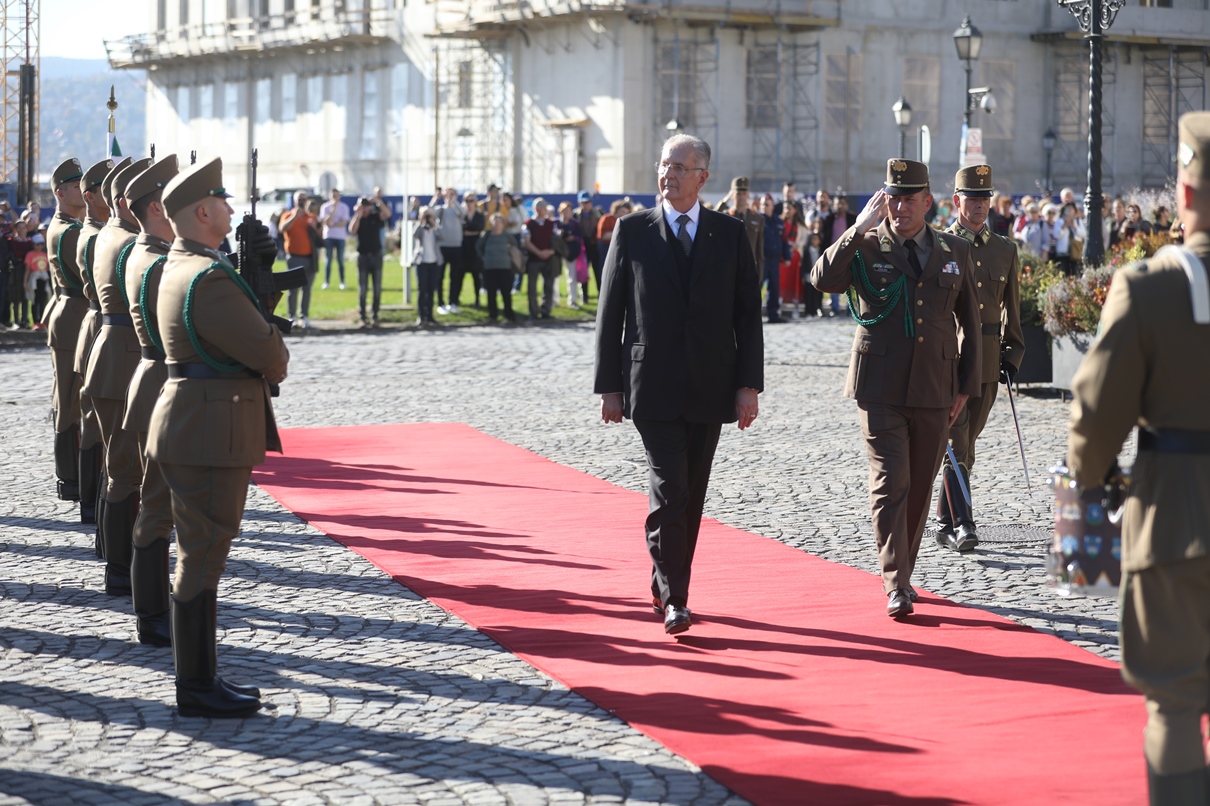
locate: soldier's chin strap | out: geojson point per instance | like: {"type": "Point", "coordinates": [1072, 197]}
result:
{"type": "Point", "coordinates": [1199, 283]}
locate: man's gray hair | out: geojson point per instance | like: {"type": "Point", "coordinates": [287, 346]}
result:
{"type": "Point", "coordinates": [701, 148]}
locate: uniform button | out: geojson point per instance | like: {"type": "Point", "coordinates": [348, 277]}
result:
{"type": "Point", "coordinates": [978, 262]}
{"type": "Point", "coordinates": [980, 306]}
{"type": "Point", "coordinates": [1001, 278]}
{"type": "Point", "coordinates": [920, 321]}
{"type": "Point", "coordinates": [920, 338]}
{"type": "Point", "coordinates": [979, 284]}
{"type": "Point", "coordinates": [956, 355]}
{"type": "Point", "coordinates": [919, 302]}
{"type": "Point", "coordinates": [920, 285]}
{"type": "Point", "coordinates": [884, 281]}
{"type": "Point", "coordinates": [235, 399]}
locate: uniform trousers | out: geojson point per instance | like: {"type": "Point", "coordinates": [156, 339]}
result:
{"type": "Point", "coordinates": [970, 424]}
{"type": "Point", "coordinates": [1165, 637]}
{"type": "Point", "coordinates": [155, 501]}
{"type": "Point", "coordinates": [90, 428]}
{"type": "Point", "coordinates": [207, 507]}
{"type": "Point", "coordinates": [122, 467]}
{"type": "Point", "coordinates": [66, 388]}
{"type": "Point", "coordinates": [905, 446]}
{"type": "Point", "coordinates": [679, 458]}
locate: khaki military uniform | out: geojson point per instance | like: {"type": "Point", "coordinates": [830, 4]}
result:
{"type": "Point", "coordinates": [144, 269]}
{"type": "Point", "coordinates": [64, 323]}
{"type": "Point", "coordinates": [113, 359]}
{"type": "Point", "coordinates": [905, 373]}
{"type": "Point", "coordinates": [997, 283]}
{"type": "Point", "coordinates": [208, 432]}
{"type": "Point", "coordinates": [754, 225]}
{"type": "Point", "coordinates": [90, 328]}
{"type": "Point", "coordinates": [1148, 368]}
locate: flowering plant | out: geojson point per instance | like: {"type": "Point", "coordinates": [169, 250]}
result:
{"type": "Point", "coordinates": [1073, 304]}
{"type": "Point", "coordinates": [1037, 276]}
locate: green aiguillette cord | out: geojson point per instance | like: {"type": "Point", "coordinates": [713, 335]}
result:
{"type": "Point", "coordinates": [886, 298]}
{"type": "Point", "coordinates": [67, 278]}
{"type": "Point", "coordinates": [207, 359]}
{"type": "Point", "coordinates": [123, 256]}
{"type": "Point", "coordinates": [153, 327]}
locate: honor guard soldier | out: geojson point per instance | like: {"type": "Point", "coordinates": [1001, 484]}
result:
{"type": "Point", "coordinates": [92, 447]}
{"type": "Point", "coordinates": [1002, 346]}
{"type": "Point", "coordinates": [153, 526]}
{"type": "Point", "coordinates": [1148, 368]}
{"type": "Point", "coordinates": [754, 223]}
{"type": "Point", "coordinates": [63, 329]}
{"type": "Point", "coordinates": [212, 423]}
{"type": "Point", "coordinates": [111, 363]}
{"type": "Point", "coordinates": [915, 356]}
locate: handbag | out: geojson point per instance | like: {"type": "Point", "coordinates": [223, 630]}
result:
{"type": "Point", "coordinates": [581, 268]}
{"type": "Point", "coordinates": [559, 245]}
{"type": "Point", "coordinates": [516, 258]}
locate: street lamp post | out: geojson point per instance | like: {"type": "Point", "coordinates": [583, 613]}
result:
{"type": "Point", "coordinates": [1094, 18]}
{"type": "Point", "coordinates": [903, 118]}
{"type": "Point", "coordinates": [1048, 145]}
{"type": "Point", "coordinates": [969, 42]}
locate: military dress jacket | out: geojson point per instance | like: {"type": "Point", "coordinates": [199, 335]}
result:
{"type": "Point", "coordinates": [754, 225]}
{"type": "Point", "coordinates": [925, 351]}
{"type": "Point", "coordinates": [1149, 367]}
{"type": "Point", "coordinates": [997, 281]}
{"type": "Point", "coordinates": [115, 354]}
{"type": "Point", "coordinates": [90, 328]}
{"type": "Point", "coordinates": [63, 324]}
{"type": "Point", "coordinates": [144, 268]}
{"type": "Point", "coordinates": [213, 422]}
{"type": "Point", "coordinates": [674, 351]}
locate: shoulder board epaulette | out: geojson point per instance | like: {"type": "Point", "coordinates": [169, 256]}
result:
{"type": "Point", "coordinates": [885, 244]}
{"type": "Point", "coordinates": [1140, 266]}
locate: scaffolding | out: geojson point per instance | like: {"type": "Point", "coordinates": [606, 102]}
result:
{"type": "Point", "coordinates": [19, 117]}
{"type": "Point", "coordinates": [1071, 119]}
{"type": "Point", "coordinates": [1174, 82]}
{"type": "Point", "coordinates": [783, 83]}
{"type": "Point", "coordinates": [474, 106]}
{"type": "Point", "coordinates": [687, 84]}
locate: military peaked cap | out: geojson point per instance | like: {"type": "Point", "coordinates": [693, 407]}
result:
{"type": "Point", "coordinates": [739, 183]}
{"type": "Point", "coordinates": [66, 171]}
{"type": "Point", "coordinates": [107, 187]}
{"type": "Point", "coordinates": [154, 178]}
{"type": "Point", "coordinates": [1193, 153]}
{"type": "Point", "coordinates": [200, 182]}
{"type": "Point", "coordinates": [974, 180]}
{"type": "Point", "coordinates": [123, 177]}
{"type": "Point", "coordinates": [95, 175]}
{"type": "Point", "coordinates": [905, 177]}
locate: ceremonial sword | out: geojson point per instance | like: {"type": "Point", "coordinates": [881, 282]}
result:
{"type": "Point", "coordinates": [1020, 443]}
{"type": "Point", "coordinates": [966, 493]}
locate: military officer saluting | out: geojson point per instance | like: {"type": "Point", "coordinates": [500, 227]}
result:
{"type": "Point", "coordinates": [754, 223]}
{"type": "Point", "coordinates": [212, 423]}
{"type": "Point", "coordinates": [63, 328]}
{"type": "Point", "coordinates": [111, 363]}
{"type": "Point", "coordinates": [1148, 368]}
{"type": "Point", "coordinates": [144, 268]}
{"type": "Point", "coordinates": [1002, 346]}
{"type": "Point", "coordinates": [915, 357]}
{"type": "Point", "coordinates": [92, 446]}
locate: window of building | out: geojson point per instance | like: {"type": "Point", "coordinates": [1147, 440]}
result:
{"type": "Point", "coordinates": [338, 97]}
{"type": "Point", "coordinates": [1002, 78]}
{"type": "Point", "coordinates": [184, 12]}
{"type": "Point", "coordinates": [231, 112]}
{"type": "Point", "coordinates": [399, 96]}
{"type": "Point", "coordinates": [922, 89]}
{"type": "Point", "coordinates": [675, 84]}
{"type": "Point", "coordinates": [289, 105]}
{"type": "Point", "coordinates": [205, 101]}
{"type": "Point", "coordinates": [369, 115]}
{"type": "Point", "coordinates": [762, 88]}
{"type": "Point", "coordinates": [213, 11]}
{"type": "Point", "coordinates": [466, 85]}
{"type": "Point", "coordinates": [261, 109]}
{"type": "Point", "coordinates": [314, 125]}
{"type": "Point", "coordinates": [842, 92]}
{"type": "Point", "coordinates": [184, 114]}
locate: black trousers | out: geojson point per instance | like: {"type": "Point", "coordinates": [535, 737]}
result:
{"type": "Point", "coordinates": [453, 258]}
{"type": "Point", "coordinates": [499, 281]}
{"type": "Point", "coordinates": [679, 457]}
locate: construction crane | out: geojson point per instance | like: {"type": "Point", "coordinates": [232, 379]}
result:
{"type": "Point", "coordinates": [19, 113]}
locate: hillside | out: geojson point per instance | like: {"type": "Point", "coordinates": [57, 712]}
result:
{"type": "Point", "coordinates": [73, 114]}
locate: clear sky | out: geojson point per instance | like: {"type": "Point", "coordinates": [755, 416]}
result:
{"type": "Point", "coordinates": [77, 29]}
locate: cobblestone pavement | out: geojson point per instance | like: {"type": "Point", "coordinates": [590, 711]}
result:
{"type": "Point", "coordinates": [374, 695]}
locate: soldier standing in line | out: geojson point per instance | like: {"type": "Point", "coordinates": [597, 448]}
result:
{"type": "Point", "coordinates": [63, 329]}
{"type": "Point", "coordinates": [212, 423]}
{"type": "Point", "coordinates": [1002, 346]}
{"type": "Point", "coordinates": [915, 356]}
{"type": "Point", "coordinates": [111, 363]}
{"type": "Point", "coordinates": [92, 447]}
{"type": "Point", "coordinates": [144, 267]}
{"type": "Point", "coordinates": [1148, 368]}
{"type": "Point", "coordinates": [754, 223]}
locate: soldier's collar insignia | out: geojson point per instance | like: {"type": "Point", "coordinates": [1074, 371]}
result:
{"type": "Point", "coordinates": [944, 246]}
{"type": "Point", "coordinates": [884, 244]}
{"type": "Point", "coordinates": [1185, 154]}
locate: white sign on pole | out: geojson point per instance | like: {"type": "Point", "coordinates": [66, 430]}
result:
{"type": "Point", "coordinates": [926, 144]}
{"type": "Point", "coordinates": [972, 147]}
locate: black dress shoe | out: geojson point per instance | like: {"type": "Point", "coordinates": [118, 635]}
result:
{"type": "Point", "coordinates": [659, 608]}
{"type": "Point", "coordinates": [966, 539]}
{"type": "Point", "coordinates": [676, 619]}
{"type": "Point", "coordinates": [912, 595]}
{"type": "Point", "coordinates": [945, 539]}
{"type": "Point", "coordinates": [236, 688]}
{"type": "Point", "coordinates": [899, 604]}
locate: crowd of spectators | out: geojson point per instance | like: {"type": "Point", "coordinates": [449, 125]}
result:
{"type": "Point", "coordinates": [24, 267]}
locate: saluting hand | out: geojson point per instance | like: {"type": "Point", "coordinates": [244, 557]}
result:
{"type": "Point", "coordinates": [872, 214]}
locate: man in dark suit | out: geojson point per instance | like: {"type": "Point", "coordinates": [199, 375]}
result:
{"type": "Point", "coordinates": [915, 358]}
{"type": "Point", "coordinates": [680, 352]}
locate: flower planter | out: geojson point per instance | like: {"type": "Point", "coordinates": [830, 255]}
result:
{"type": "Point", "coordinates": [1036, 364]}
{"type": "Point", "coordinates": [1067, 352]}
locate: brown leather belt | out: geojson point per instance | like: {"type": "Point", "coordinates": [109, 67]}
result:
{"type": "Point", "coordinates": [75, 293]}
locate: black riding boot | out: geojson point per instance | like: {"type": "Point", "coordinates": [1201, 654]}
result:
{"type": "Point", "coordinates": [89, 474]}
{"type": "Point", "coordinates": [199, 692]}
{"type": "Point", "coordinates": [963, 538]}
{"type": "Point", "coordinates": [1181, 789]}
{"type": "Point", "coordinates": [67, 468]}
{"type": "Point", "coordinates": [117, 532]}
{"type": "Point", "coordinates": [152, 593]}
{"type": "Point", "coordinates": [945, 521]}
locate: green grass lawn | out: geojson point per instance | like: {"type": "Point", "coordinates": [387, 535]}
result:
{"type": "Point", "coordinates": [336, 305]}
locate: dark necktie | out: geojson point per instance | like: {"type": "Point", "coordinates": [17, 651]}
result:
{"type": "Point", "coordinates": [913, 260]}
{"type": "Point", "coordinates": [682, 233]}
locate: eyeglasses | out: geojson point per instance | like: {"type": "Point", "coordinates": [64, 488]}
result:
{"type": "Point", "coordinates": [674, 168]}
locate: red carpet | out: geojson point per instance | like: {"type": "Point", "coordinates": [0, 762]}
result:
{"type": "Point", "coordinates": [833, 703]}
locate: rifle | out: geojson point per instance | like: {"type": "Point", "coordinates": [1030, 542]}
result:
{"type": "Point", "coordinates": [264, 282]}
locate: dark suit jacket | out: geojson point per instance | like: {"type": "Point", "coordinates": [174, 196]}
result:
{"type": "Point", "coordinates": [829, 221]}
{"type": "Point", "coordinates": [671, 353]}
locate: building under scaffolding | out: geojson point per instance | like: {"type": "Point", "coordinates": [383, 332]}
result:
{"type": "Point", "coordinates": [19, 22]}
{"type": "Point", "coordinates": [552, 96]}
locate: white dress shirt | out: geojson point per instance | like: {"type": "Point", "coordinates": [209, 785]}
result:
{"type": "Point", "coordinates": [671, 215]}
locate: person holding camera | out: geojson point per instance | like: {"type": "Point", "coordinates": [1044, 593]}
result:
{"type": "Point", "coordinates": [367, 224]}
{"type": "Point", "coordinates": [426, 257]}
